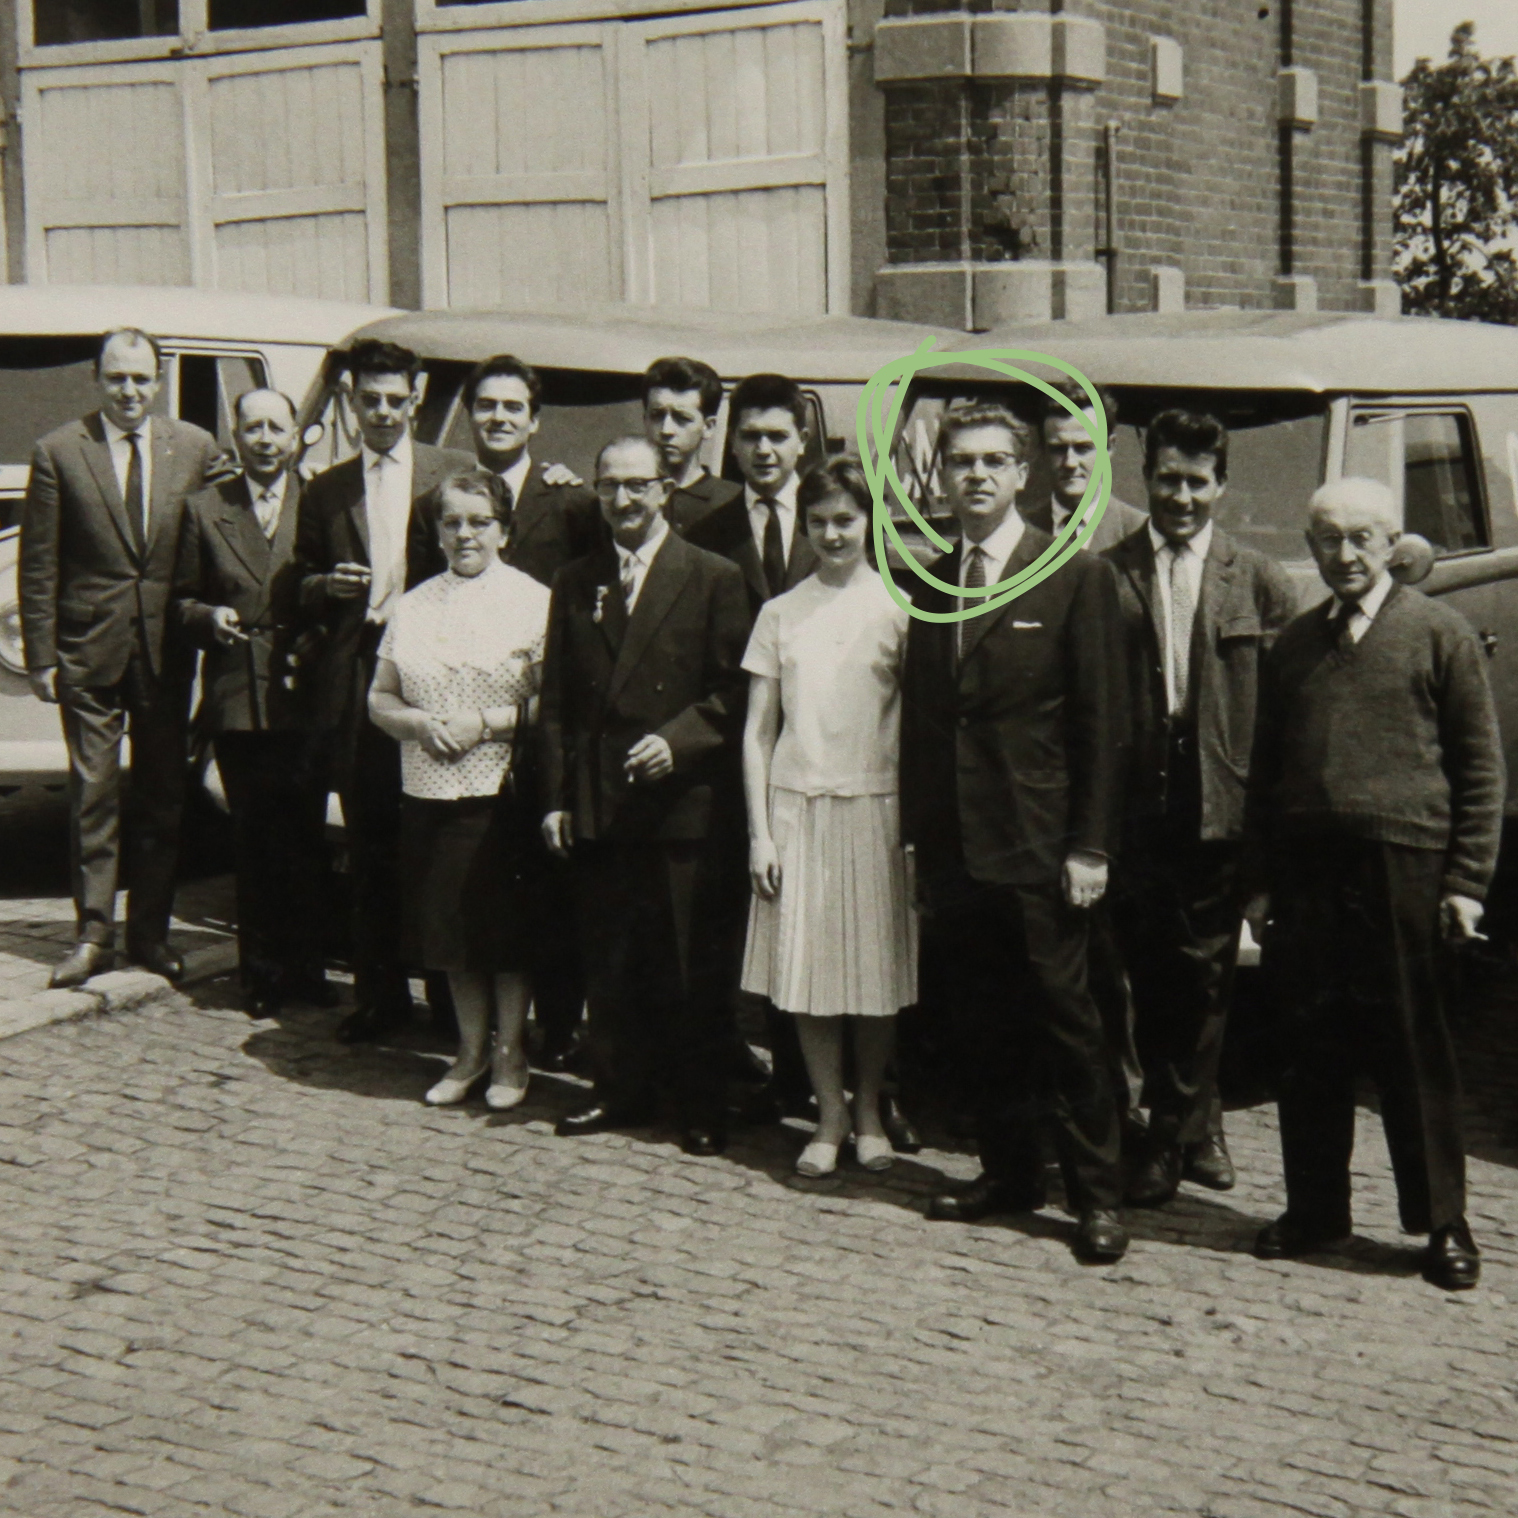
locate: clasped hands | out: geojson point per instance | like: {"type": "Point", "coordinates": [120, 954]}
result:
{"type": "Point", "coordinates": [450, 736]}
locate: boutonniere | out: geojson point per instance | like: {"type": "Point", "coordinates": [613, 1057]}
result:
{"type": "Point", "coordinates": [602, 591]}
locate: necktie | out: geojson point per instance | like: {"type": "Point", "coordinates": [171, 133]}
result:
{"type": "Point", "coordinates": [975, 579]}
{"type": "Point", "coordinates": [1338, 624]}
{"type": "Point", "coordinates": [1182, 615]}
{"type": "Point", "coordinates": [379, 539]}
{"type": "Point", "coordinates": [629, 581]}
{"type": "Point", "coordinates": [774, 551]}
{"type": "Point", "coordinates": [266, 508]}
{"type": "Point", "coordinates": [136, 516]}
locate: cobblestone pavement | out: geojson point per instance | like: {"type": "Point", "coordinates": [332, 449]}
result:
{"type": "Point", "coordinates": [246, 1272]}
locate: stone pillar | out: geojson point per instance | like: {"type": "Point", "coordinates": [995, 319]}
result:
{"type": "Point", "coordinates": [1380, 131]}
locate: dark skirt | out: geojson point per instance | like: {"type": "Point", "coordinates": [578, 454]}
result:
{"type": "Point", "coordinates": [465, 873]}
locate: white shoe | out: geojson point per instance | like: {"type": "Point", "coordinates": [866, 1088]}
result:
{"type": "Point", "coordinates": [874, 1151]}
{"type": "Point", "coordinates": [500, 1097]}
{"type": "Point", "coordinates": [819, 1158]}
{"type": "Point", "coordinates": [449, 1091]}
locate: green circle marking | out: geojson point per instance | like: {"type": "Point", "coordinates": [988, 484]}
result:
{"type": "Point", "coordinates": [879, 411]}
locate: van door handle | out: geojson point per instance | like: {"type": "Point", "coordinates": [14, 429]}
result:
{"type": "Point", "coordinates": [1488, 642]}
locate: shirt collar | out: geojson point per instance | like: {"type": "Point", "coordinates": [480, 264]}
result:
{"type": "Point", "coordinates": [1373, 599]}
{"type": "Point", "coordinates": [644, 553]}
{"type": "Point", "coordinates": [114, 434]}
{"type": "Point", "coordinates": [998, 548]}
{"type": "Point", "coordinates": [401, 453]}
{"type": "Point", "coordinates": [785, 497]}
{"type": "Point", "coordinates": [517, 476]}
{"type": "Point", "coordinates": [1200, 545]}
{"type": "Point", "coordinates": [275, 488]}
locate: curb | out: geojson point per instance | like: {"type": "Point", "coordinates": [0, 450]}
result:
{"type": "Point", "coordinates": [116, 991]}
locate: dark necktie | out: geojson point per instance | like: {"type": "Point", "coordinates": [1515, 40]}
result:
{"type": "Point", "coordinates": [774, 551]}
{"type": "Point", "coordinates": [134, 494]}
{"type": "Point", "coordinates": [1338, 624]}
{"type": "Point", "coordinates": [975, 579]}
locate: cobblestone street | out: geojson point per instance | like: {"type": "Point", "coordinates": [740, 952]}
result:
{"type": "Point", "coordinates": [247, 1272]}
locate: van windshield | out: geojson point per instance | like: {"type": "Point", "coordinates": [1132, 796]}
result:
{"type": "Point", "coordinates": [44, 382]}
{"type": "Point", "coordinates": [1276, 450]}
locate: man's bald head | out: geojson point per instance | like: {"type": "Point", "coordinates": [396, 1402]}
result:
{"type": "Point", "coordinates": [1352, 527]}
{"type": "Point", "coordinates": [1362, 497]}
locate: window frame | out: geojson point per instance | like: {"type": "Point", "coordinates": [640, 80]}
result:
{"type": "Point", "coordinates": [1432, 406]}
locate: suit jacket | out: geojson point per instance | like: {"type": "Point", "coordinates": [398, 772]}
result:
{"type": "Point", "coordinates": [86, 592]}
{"type": "Point", "coordinates": [333, 529]}
{"type": "Point", "coordinates": [1246, 599]}
{"type": "Point", "coordinates": [225, 560]}
{"type": "Point", "coordinates": [1118, 521]}
{"type": "Point", "coordinates": [1011, 755]}
{"type": "Point", "coordinates": [689, 503]}
{"type": "Point", "coordinates": [726, 530]}
{"type": "Point", "coordinates": [551, 525]}
{"type": "Point", "coordinates": [674, 667]}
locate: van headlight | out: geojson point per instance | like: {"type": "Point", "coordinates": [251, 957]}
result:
{"type": "Point", "coordinates": [12, 655]}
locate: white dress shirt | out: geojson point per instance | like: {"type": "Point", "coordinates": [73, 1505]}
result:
{"type": "Point", "coordinates": [121, 461]}
{"type": "Point", "coordinates": [1187, 560]}
{"type": "Point", "coordinates": [1367, 607]}
{"type": "Point", "coordinates": [633, 563]}
{"type": "Point", "coordinates": [517, 476]}
{"type": "Point", "coordinates": [268, 501]}
{"type": "Point", "coordinates": [387, 512]}
{"type": "Point", "coordinates": [997, 549]}
{"type": "Point", "coordinates": [785, 508]}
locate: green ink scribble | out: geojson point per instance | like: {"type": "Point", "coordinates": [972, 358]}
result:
{"type": "Point", "coordinates": [879, 410]}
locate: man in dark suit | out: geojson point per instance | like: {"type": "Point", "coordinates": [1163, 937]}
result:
{"type": "Point", "coordinates": [99, 534]}
{"type": "Point", "coordinates": [1199, 613]}
{"type": "Point", "coordinates": [358, 554]}
{"type": "Point", "coordinates": [1375, 813]}
{"type": "Point", "coordinates": [642, 700]}
{"type": "Point", "coordinates": [237, 591]}
{"type": "Point", "coordinates": [1012, 728]}
{"type": "Point", "coordinates": [681, 401]}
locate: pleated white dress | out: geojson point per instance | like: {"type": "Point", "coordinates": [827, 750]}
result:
{"type": "Point", "coordinates": [840, 939]}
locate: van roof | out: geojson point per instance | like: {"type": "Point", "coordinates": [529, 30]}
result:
{"type": "Point", "coordinates": [177, 311]}
{"type": "Point", "coordinates": [627, 339]}
{"type": "Point", "coordinates": [1329, 352]}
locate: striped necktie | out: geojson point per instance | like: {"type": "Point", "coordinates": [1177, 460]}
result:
{"type": "Point", "coordinates": [975, 579]}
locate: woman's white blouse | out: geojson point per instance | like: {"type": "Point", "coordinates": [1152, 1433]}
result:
{"type": "Point", "coordinates": [463, 645]}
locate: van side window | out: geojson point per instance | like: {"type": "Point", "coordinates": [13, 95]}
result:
{"type": "Point", "coordinates": [1428, 458]}
{"type": "Point", "coordinates": [209, 385]}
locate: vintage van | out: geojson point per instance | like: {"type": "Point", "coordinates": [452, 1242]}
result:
{"type": "Point", "coordinates": [215, 347]}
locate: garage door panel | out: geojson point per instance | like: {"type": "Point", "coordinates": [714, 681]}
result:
{"type": "Point", "coordinates": [80, 124]}
{"type": "Point", "coordinates": [325, 257]}
{"type": "Point", "coordinates": [528, 255]}
{"type": "Point", "coordinates": [117, 255]}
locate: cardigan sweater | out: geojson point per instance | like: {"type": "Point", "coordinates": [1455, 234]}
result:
{"type": "Point", "coordinates": [1392, 739]}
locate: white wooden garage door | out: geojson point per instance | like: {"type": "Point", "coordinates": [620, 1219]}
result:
{"type": "Point", "coordinates": [260, 172]}
{"type": "Point", "coordinates": [698, 160]}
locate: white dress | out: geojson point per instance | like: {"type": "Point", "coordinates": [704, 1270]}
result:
{"type": "Point", "coordinates": [840, 939]}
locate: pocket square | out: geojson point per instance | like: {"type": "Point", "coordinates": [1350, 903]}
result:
{"type": "Point", "coordinates": [1028, 625]}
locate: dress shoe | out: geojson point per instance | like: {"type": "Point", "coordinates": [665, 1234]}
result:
{"type": "Point", "coordinates": [160, 959]}
{"type": "Point", "coordinates": [500, 1096]}
{"type": "Point", "coordinates": [1209, 1164]}
{"type": "Point", "coordinates": [453, 1089]}
{"type": "Point", "coordinates": [564, 1059]}
{"type": "Point", "coordinates": [1453, 1261]}
{"type": "Point", "coordinates": [904, 1138]}
{"type": "Point", "coordinates": [82, 961]}
{"type": "Point", "coordinates": [874, 1151]}
{"type": "Point", "coordinates": [1100, 1237]}
{"type": "Point", "coordinates": [703, 1142]}
{"type": "Point", "coordinates": [1156, 1179]}
{"type": "Point", "coordinates": [983, 1197]}
{"type": "Point", "coordinates": [818, 1159]}
{"type": "Point", "coordinates": [368, 1025]}
{"type": "Point", "coordinates": [596, 1118]}
{"type": "Point", "coordinates": [1286, 1238]}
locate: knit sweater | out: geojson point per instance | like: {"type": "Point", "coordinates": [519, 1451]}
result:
{"type": "Point", "coordinates": [1392, 739]}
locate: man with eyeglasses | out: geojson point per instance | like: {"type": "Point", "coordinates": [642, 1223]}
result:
{"type": "Point", "coordinates": [99, 534]}
{"type": "Point", "coordinates": [1374, 818]}
{"type": "Point", "coordinates": [642, 701]}
{"type": "Point", "coordinates": [1011, 737]}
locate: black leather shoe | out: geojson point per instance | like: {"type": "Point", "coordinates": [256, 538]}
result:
{"type": "Point", "coordinates": [1286, 1238]}
{"type": "Point", "coordinates": [1453, 1261]}
{"type": "Point", "coordinates": [160, 959]}
{"type": "Point", "coordinates": [565, 1059]}
{"type": "Point", "coordinates": [81, 962]}
{"type": "Point", "coordinates": [904, 1138]}
{"type": "Point", "coordinates": [984, 1197]}
{"type": "Point", "coordinates": [596, 1118]}
{"type": "Point", "coordinates": [1156, 1179]}
{"type": "Point", "coordinates": [1100, 1237]}
{"type": "Point", "coordinates": [703, 1142]}
{"type": "Point", "coordinates": [367, 1025]}
{"type": "Point", "coordinates": [1209, 1164]}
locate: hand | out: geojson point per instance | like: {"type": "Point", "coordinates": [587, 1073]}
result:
{"type": "Point", "coordinates": [227, 627]}
{"type": "Point", "coordinates": [649, 759]}
{"type": "Point", "coordinates": [44, 684]}
{"type": "Point", "coordinates": [437, 740]}
{"type": "Point", "coordinates": [1257, 915]}
{"type": "Point", "coordinates": [558, 833]}
{"type": "Point", "coordinates": [348, 581]}
{"type": "Point", "coordinates": [465, 728]}
{"type": "Point", "coordinates": [1085, 878]}
{"type": "Point", "coordinates": [560, 474]}
{"type": "Point", "coordinates": [764, 868]}
{"type": "Point", "coordinates": [1460, 919]}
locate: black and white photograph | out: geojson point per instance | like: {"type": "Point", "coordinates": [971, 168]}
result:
{"type": "Point", "coordinates": [759, 758]}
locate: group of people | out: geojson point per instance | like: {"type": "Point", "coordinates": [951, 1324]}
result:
{"type": "Point", "coordinates": [646, 745]}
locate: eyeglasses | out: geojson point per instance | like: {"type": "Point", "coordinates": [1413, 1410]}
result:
{"type": "Point", "coordinates": [607, 489]}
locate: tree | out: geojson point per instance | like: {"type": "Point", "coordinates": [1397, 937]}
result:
{"type": "Point", "coordinates": [1456, 240]}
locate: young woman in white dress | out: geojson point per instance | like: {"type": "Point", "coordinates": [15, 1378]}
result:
{"type": "Point", "coordinates": [832, 934]}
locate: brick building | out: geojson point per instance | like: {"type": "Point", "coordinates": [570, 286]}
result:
{"type": "Point", "coordinates": [895, 157]}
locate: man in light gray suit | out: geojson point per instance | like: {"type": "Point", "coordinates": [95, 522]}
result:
{"type": "Point", "coordinates": [99, 536]}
